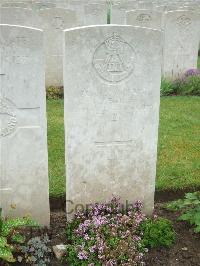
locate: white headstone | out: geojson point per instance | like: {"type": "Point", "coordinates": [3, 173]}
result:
{"type": "Point", "coordinates": [112, 96]}
{"type": "Point", "coordinates": [181, 29]}
{"type": "Point", "coordinates": [53, 22]}
{"type": "Point", "coordinates": [18, 16]}
{"type": "Point", "coordinates": [95, 14]}
{"type": "Point", "coordinates": [78, 7]}
{"type": "Point", "coordinates": [118, 11]}
{"type": "Point", "coordinates": [23, 132]}
{"type": "Point", "coordinates": [43, 5]}
{"type": "Point", "coordinates": [15, 4]}
{"type": "Point", "coordinates": [144, 18]}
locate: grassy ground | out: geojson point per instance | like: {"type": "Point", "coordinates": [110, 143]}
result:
{"type": "Point", "coordinates": [178, 150]}
{"type": "Point", "coordinates": [56, 147]}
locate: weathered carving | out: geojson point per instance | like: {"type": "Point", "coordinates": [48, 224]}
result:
{"type": "Point", "coordinates": [144, 18]}
{"type": "Point", "coordinates": [113, 60]}
{"type": "Point", "coordinates": [8, 119]}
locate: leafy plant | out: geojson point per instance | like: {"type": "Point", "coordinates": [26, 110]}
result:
{"type": "Point", "coordinates": [189, 208]}
{"type": "Point", "coordinates": [9, 235]}
{"type": "Point", "coordinates": [167, 88]}
{"type": "Point", "coordinates": [36, 251]}
{"type": "Point", "coordinates": [157, 232]}
{"type": "Point", "coordinates": [189, 84]}
{"type": "Point", "coordinates": [55, 93]}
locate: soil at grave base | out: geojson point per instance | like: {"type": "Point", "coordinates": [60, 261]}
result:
{"type": "Point", "coordinates": [185, 252]}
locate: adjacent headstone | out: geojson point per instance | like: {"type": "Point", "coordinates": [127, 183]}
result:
{"type": "Point", "coordinates": [118, 11]}
{"type": "Point", "coordinates": [15, 4]}
{"type": "Point", "coordinates": [145, 5]}
{"type": "Point", "coordinates": [95, 14]}
{"type": "Point", "coordinates": [18, 16]}
{"type": "Point", "coordinates": [23, 126]}
{"type": "Point", "coordinates": [53, 22]}
{"type": "Point", "coordinates": [43, 5]}
{"type": "Point", "coordinates": [112, 96]}
{"type": "Point", "coordinates": [144, 18]}
{"type": "Point", "coordinates": [182, 30]}
{"type": "Point", "coordinates": [78, 7]}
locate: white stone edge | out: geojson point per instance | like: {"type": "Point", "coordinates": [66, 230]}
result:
{"type": "Point", "coordinates": [110, 25]}
{"type": "Point", "coordinates": [145, 10]}
{"type": "Point", "coordinates": [181, 11]}
{"type": "Point", "coordinates": [19, 26]}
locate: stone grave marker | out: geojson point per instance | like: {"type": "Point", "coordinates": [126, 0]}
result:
{"type": "Point", "coordinates": [23, 126]}
{"type": "Point", "coordinates": [78, 7]}
{"type": "Point", "coordinates": [18, 16]}
{"type": "Point", "coordinates": [144, 18]}
{"type": "Point", "coordinates": [15, 4]}
{"type": "Point", "coordinates": [53, 22]}
{"type": "Point", "coordinates": [95, 13]}
{"type": "Point", "coordinates": [118, 11]}
{"type": "Point", "coordinates": [181, 34]}
{"type": "Point", "coordinates": [43, 5]}
{"type": "Point", "coordinates": [112, 96]}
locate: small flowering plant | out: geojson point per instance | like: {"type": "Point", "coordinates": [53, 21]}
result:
{"type": "Point", "coordinates": [192, 72]}
{"type": "Point", "coordinates": [107, 235]}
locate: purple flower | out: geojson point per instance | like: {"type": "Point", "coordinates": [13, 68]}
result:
{"type": "Point", "coordinates": [138, 205]}
{"type": "Point", "coordinates": [192, 72]}
{"type": "Point", "coordinates": [92, 249]}
{"type": "Point", "coordinates": [82, 255]}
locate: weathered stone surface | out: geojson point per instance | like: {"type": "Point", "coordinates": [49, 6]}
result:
{"type": "Point", "coordinates": [53, 22]}
{"type": "Point", "coordinates": [15, 4]}
{"type": "Point", "coordinates": [95, 13]}
{"type": "Point", "coordinates": [112, 96]}
{"type": "Point", "coordinates": [23, 133]}
{"type": "Point", "coordinates": [59, 251]}
{"type": "Point", "coordinates": [78, 7]}
{"type": "Point", "coordinates": [43, 5]}
{"type": "Point", "coordinates": [118, 11]}
{"type": "Point", "coordinates": [144, 18]}
{"type": "Point", "coordinates": [18, 16]}
{"type": "Point", "coordinates": [182, 31]}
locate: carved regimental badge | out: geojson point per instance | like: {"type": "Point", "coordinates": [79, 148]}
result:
{"type": "Point", "coordinates": [8, 119]}
{"type": "Point", "coordinates": [184, 21]}
{"type": "Point", "coordinates": [144, 18]}
{"type": "Point", "coordinates": [113, 60]}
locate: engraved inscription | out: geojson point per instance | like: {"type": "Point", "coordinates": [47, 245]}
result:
{"type": "Point", "coordinates": [19, 50]}
{"type": "Point", "coordinates": [58, 23]}
{"type": "Point", "coordinates": [8, 119]}
{"type": "Point", "coordinates": [184, 21]}
{"type": "Point", "coordinates": [144, 18]}
{"type": "Point", "coordinates": [113, 60]}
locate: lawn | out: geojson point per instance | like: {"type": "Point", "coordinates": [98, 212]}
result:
{"type": "Point", "coordinates": [178, 150]}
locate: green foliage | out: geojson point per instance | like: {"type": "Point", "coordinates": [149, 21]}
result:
{"type": "Point", "coordinates": [188, 85]}
{"type": "Point", "coordinates": [36, 252]}
{"type": "Point", "coordinates": [9, 236]}
{"type": "Point", "coordinates": [191, 86]}
{"type": "Point", "coordinates": [189, 208]}
{"type": "Point", "coordinates": [157, 233]}
{"type": "Point", "coordinates": [167, 88]}
{"type": "Point", "coordinates": [55, 93]}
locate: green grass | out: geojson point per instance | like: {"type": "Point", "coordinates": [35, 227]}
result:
{"type": "Point", "coordinates": [179, 143]}
{"type": "Point", "coordinates": [178, 150]}
{"type": "Point", "coordinates": [56, 147]}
